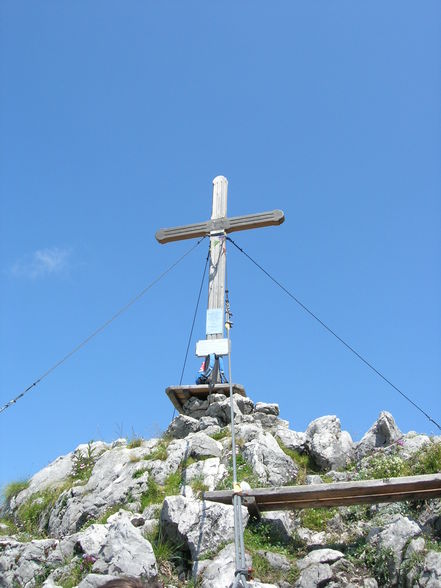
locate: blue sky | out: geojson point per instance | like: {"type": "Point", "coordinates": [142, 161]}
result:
{"type": "Point", "coordinates": [114, 119]}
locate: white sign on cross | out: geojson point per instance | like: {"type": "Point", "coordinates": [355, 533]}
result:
{"type": "Point", "coordinates": [218, 227]}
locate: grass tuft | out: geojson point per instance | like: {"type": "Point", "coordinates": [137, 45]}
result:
{"type": "Point", "coordinates": [14, 488]}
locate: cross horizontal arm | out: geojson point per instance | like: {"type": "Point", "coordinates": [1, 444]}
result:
{"type": "Point", "coordinates": [229, 225]}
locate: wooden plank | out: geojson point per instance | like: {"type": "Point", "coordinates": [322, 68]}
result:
{"type": "Point", "coordinates": [216, 276]}
{"type": "Point", "coordinates": [180, 394]}
{"type": "Point", "coordinates": [339, 493]}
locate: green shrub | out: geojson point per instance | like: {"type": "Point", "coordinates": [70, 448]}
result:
{"type": "Point", "coordinates": [378, 561]}
{"type": "Point", "coordinates": [381, 466]}
{"type": "Point", "coordinates": [83, 464]}
{"type": "Point", "coordinates": [14, 488]}
{"type": "Point", "coordinates": [317, 518]}
{"type": "Point", "coordinates": [427, 460]}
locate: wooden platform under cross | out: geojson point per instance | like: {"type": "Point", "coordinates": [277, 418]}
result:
{"type": "Point", "coordinates": [180, 394]}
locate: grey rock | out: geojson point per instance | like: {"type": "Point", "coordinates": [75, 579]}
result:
{"type": "Point", "coordinates": [276, 560]}
{"type": "Point", "coordinates": [195, 407]}
{"type": "Point", "coordinates": [211, 423]}
{"type": "Point", "coordinates": [328, 444]}
{"type": "Point", "coordinates": [280, 523]}
{"type": "Point", "coordinates": [245, 404]}
{"type": "Point", "coordinates": [210, 470]}
{"type": "Point", "coordinates": [410, 443]}
{"type": "Point", "coordinates": [126, 551]}
{"type": "Point", "coordinates": [201, 445]}
{"type": "Point", "coordinates": [314, 479]}
{"type": "Point", "coordinates": [247, 431]}
{"type": "Point", "coordinates": [21, 562]}
{"type": "Point", "coordinates": [181, 426]}
{"type": "Point", "coordinates": [394, 536]}
{"type": "Point", "coordinates": [96, 580]}
{"type": "Point", "coordinates": [201, 526]}
{"type": "Point", "coordinates": [268, 421]}
{"type": "Point", "coordinates": [267, 408]}
{"type": "Point", "coordinates": [268, 461]}
{"type": "Point", "coordinates": [382, 433]}
{"type": "Point", "coordinates": [222, 412]}
{"type": "Point", "coordinates": [219, 573]}
{"type": "Point", "coordinates": [319, 556]}
{"type": "Point", "coordinates": [431, 574]}
{"type": "Point", "coordinates": [314, 576]}
{"type": "Point", "coordinates": [111, 483]}
{"type": "Point", "coordinates": [292, 439]}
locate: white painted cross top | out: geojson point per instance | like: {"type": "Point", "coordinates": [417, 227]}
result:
{"type": "Point", "coordinates": [218, 227]}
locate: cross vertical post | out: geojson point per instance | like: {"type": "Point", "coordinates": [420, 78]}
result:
{"type": "Point", "coordinates": [216, 280]}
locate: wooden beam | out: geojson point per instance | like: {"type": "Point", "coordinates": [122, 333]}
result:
{"type": "Point", "coordinates": [180, 394]}
{"type": "Point", "coordinates": [339, 493]}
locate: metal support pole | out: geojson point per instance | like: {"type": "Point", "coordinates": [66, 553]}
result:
{"type": "Point", "coordinates": [239, 578]}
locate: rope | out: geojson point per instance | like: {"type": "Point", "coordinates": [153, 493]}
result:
{"type": "Point", "coordinates": [193, 323]}
{"type": "Point", "coordinates": [349, 347]}
{"type": "Point", "coordinates": [101, 328]}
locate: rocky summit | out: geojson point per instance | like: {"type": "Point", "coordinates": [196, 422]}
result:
{"type": "Point", "coordinates": [136, 508]}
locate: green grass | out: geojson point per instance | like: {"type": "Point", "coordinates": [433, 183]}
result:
{"type": "Point", "coordinates": [198, 485]}
{"type": "Point", "coordinates": [11, 527]}
{"type": "Point", "coordinates": [155, 493]}
{"type": "Point", "coordinates": [160, 451]}
{"type": "Point", "coordinates": [258, 536]}
{"type": "Point", "coordinates": [31, 513]}
{"type": "Point", "coordinates": [139, 473]}
{"type": "Point", "coordinates": [135, 442]}
{"type": "Point", "coordinates": [304, 462]}
{"type": "Point", "coordinates": [14, 488]}
{"type": "Point", "coordinates": [263, 570]}
{"type": "Point", "coordinates": [245, 473]}
{"type": "Point", "coordinates": [222, 434]}
{"type": "Point", "coordinates": [317, 518]}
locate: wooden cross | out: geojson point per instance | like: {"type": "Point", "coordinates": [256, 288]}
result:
{"type": "Point", "coordinates": [218, 227]}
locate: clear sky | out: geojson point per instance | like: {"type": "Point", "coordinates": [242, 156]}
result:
{"type": "Point", "coordinates": [114, 119]}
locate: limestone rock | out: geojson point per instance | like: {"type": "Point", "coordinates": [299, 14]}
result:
{"type": "Point", "coordinates": [394, 536]}
{"type": "Point", "coordinates": [111, 483]}
{"type": "Point", "coordinates": [181, 426]}
{"type": "Point", "coordinates": [280, 523]}
{"type": "Point", "coordinates": [211, 471]}
{"type": "Point", "coordinates": [314, 576]}
{"type": "Point", "coordinates": [267, 408]}
{"type": "Point", "coordinates": [431, 574]}
{"type": "Point", "coordinates": [126, 551]}
{"type": "Point", "coordinates": [292, 439]}
{"type": "Point", "coordinates": [222, 411]}
{"type": "Point", "coordinates": [328, 444]}
{"type": "Point", "coordinates": [245, 404]}
{"type": "Point", "coordinates": [96, 580]}
{"type": "Point", "coordinates": [201, 445]}
{"type": "Point", "coordinates": [200, 526]}
{"type": "Point", "coordinates": [382, 433]}
{"type": "Point", "coordinates": [219, 573]}
{"type": "Point", "coordinates": [268, 461]}
{"type": "Point", "coordinates": [319, 556]}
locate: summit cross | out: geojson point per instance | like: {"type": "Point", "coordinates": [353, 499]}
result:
{"type": "Point", "coordinates": [217, 228]}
